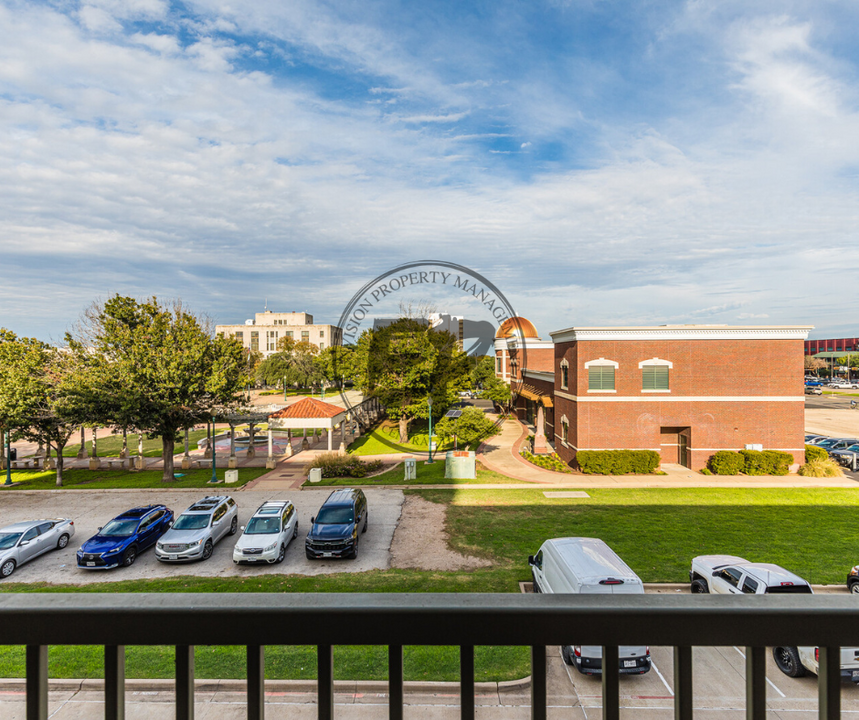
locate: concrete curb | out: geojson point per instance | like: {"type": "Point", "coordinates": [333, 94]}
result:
{"type": "Point", "coordinates": [348, 687]}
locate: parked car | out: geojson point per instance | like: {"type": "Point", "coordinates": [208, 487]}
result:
{"type": "Point", "coordinates": [265, 538]}
{"type": "Point", "coordinates": [121, 540]}
{"type": "Point", "coordinates": [813, 390]}
{"type": "Point", "coordinates": [26, 540]}
{"type": "Point", "coordinates": [588, 565]}
{"type": "Point", "coordinates": [728, 574]}
{"type": "Point", "coordinates": [814, 439]}
{"type": "Point", "coordinates": [853, 580]}
{"type": "Point", "coordinates": [196, 531]}
{"type": "Point", "coordinates": [812, 383]}
{"type": "Point", "coordinates": [845, 456]}
{"type": "Point", "coordinates": [844, 384]}
{"type": "Point", "coordinates": [839, 444]}
{"type": "Point", "coordinates": [334, 529]}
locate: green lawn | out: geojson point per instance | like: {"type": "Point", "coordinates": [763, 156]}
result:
{"type": "Point", "coordinates": [658, 531]}
{"type": "Point", "coordinates": [111, 445]}
{"type": "Point", "coordinates": [297, 662]}
{"type": "Point", "coordinates": [385, 439]}
{"type": "Point", "coordinates": [82, 479]}
{"type": "Point", "coordinates": [426, 475]}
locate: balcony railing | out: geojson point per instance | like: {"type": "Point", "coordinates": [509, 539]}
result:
{"type": "Point", "coordinates": [395, 620]}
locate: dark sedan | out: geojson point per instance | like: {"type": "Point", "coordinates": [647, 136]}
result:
{"type": "Point", "coordinates": [125, 537]}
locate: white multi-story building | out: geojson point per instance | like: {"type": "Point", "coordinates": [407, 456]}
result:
{"type": "Point", "coordinates": [267, 328]}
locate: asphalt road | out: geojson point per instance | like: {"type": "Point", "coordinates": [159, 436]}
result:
{"type": "Point", "coordinates": [92, 509]}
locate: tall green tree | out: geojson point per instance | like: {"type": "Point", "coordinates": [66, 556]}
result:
{"type": "Point", "coordinates": [21, 362]}
{"type": "Point", "coordinates": [497, 391]}
{"type": "Point", "coordinates": [159, 367]}
{"type": "Point", "coordinates": [482, 370]}
{"type": "Point", "coordinates": [336, 364]}
{"type": "Point", "coordinates": [404, 363]}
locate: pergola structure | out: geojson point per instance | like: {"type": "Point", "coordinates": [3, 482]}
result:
{"type": "Point", "coordinates": [311, 413]}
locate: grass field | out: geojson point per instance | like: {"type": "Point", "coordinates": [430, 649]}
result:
{"type": "Point", "coordinates": [111, 445]}
{"type": "Point", "coordinates": [295, 662]}
{"type": "Point", "coordinates": [83, 479]}
{"type": "Point", "coordinates": [385, 439]}
{"type": "Point", "coordinates": [426, 475]}
{"type": "Point", "coordinates": [657, 532]}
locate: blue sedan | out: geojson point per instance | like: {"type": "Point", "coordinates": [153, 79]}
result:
{"type": "Point", "coordinates": [123, 538]}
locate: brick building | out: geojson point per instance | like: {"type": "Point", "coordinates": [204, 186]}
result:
{"type": "Point", "coordinates": [685, 391]}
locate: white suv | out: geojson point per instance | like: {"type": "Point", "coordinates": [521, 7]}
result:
{"type": "Point", "coordinates": [732, 575]}
{"type": "Point", "coordinates": [267, 534]}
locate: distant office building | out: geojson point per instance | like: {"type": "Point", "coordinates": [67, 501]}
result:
{"type": "Point", "coordinates": [267, 328]}
{"type": "Point", "coordinates": [812, 347]}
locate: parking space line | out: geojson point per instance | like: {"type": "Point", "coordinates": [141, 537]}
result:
{"type": "Point", "coordinates": [667, 687]}
{"type": "Point", "coordinates": [772, 684]}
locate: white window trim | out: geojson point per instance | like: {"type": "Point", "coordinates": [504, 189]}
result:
{"type": "Point", "coordinates": [601, 361]}
{"type": "Point", "coordinates": [561, 437]}
{"type": "Point", "coordinates": [565, 364]}
{"type": "Point", "coordinates": [657, 391]}
{"type": "Point", "coordinates": [656, 361]}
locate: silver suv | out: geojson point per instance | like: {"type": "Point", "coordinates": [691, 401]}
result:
{"type": "Point", "coordinates": [267, 534]}
{"type": "Point", "coordinates": [195, 531]}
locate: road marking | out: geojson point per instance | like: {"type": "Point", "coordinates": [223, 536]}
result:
{"type": "Point", "coordinates": [772, 685]}
{"type": "Point", "coordinates": [667, 687]}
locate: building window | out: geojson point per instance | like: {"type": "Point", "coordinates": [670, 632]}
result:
{"type": "Point", "coordinates": [289, 334]}
{"type": "Point", "coordinates": [565, 429]}
{"type": "Point", "coordinates": [240, 336]}
{"type": "Point", "coordinates": [322, 333]}
{"type": "Point", "coordinates": [305, 335]}
{"type": "Point", "coordinates": [601, 377]}
{"type": "Point", "coordinates": [654, 375]}
{"type": "Point", "coordinates": [498, 363]}
{"type": "Point", "coordinates": [565, 375]}
{"type": "Point", "coordinates": [255, 340]}
{"type": "Point", "coordinates": [322, 346]}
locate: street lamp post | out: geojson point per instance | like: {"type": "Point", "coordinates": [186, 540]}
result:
{"type": "Point", "coordinates": [429, 405]}
{"type": "Point", "coordinates": [214, 462]}
{"type": "Point", "coordinates": [8, 457]}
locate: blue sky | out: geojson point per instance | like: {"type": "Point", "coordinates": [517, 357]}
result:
{"type": "Point", "coordinates": [601, 162]}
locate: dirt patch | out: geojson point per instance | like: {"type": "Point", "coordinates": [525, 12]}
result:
{"type": "Point", "coordinates": [421, 542]}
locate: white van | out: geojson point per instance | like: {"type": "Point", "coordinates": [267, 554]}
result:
{"type": "Point", "coordinates": [588, 565]}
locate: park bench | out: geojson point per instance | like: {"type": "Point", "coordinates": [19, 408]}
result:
{"type": "Point", "coordinates": [111, 462]}
{"type": "Point", "coordinates": [18, 464]}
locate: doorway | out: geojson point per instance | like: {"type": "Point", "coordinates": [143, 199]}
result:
{"type": "Point", "coordinates": [674, 443]}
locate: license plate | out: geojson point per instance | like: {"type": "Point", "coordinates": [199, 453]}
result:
{"type": "Point", "coordinates": [89, 564]}
{"type": "Point", "coordinates": [172, 557]}
{"type": "Point", "coordinates": [327, 554]}
{"type": "Point", "coordinates": [856, 675]}
{"type": "Point", "coordinates": [629, 663]}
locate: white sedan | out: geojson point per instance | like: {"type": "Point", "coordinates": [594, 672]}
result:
{"type": "Point", "coordinates": [26, 540]}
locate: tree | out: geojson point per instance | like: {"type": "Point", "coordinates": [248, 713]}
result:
{"type": "Point", "coordinates": [403, 363]}
{"type": "Point", "coordinates": [293, 364]}
{"type": "Point", "coordinates": [497, 391]}
{"type": "Point", "coordinates": [159, 367]}
{"type": "Point", "coordinates": [471, 426]}
{"type": "Point", "coordinates": [21, 361]}
{"type": "Point", "coordinates": [483, 369]}
{"type": "Point", "coordinates": [336, 364]}
{"type": "Point", "coordinates": [813, 364]}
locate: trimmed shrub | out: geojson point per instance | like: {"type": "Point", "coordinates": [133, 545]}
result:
{"type": "Point", "coordinates": [813, 452]}
{"type": "Point", "coordinates": [547, 462]}
{"type": "Point", "coordinates": [725, 462]}
{"type": "Point", "coordinates": [617, 462]}
{"type": "Point", "coordinates": [337, 465]}
{"type": "Point", "coordinates": [766, 462]}
{"type": "Point", "coordinates": [706, 471]}
{"type": "Point", "coordinates": [821, 467]}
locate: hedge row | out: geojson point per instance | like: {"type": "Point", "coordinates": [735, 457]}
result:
{"type": "Point", "coordinates": [813, 452]}
{"type": "Point", "coordinates": [750, 462]}
{"type": "Point", "coordinates": [617, 462]}
{"type": "Point", "coordinates": [548, 462]}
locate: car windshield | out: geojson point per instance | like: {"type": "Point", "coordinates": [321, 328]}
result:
{"type": "Point", "coordinates": [335, 516]}
{"type": "Point", "coordinates": [8, 540]}
{"type": "Point", "coordinates": [263, 526]}
{"type": "Point", "coordinates": [191, 522]}
{"type": "Point", "coordinates": [119, 528]}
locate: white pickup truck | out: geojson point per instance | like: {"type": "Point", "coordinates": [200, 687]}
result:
{"type": "Point", "coordinates": [729, 574]}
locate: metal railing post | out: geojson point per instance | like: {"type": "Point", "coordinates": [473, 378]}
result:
{"type": "Point", "coordinates": [610, 683]}
{"type": "Point", "coordinates": [395, 682]}
{"type": "Point", "coordinates": [37, 682]}
{"type": "Point", "coordinates": [756, 683]}
{"type": "Point", "coordinates": [683, 683]}
{"type": "Point", "coordinates": [829, 683]}
{"type": "Point", "coordinates": [325, 680]}
{"type": "Point", "coordinates": [256, 682]}
{"type": "Point", "coordinates": [114, 682]}
{"type": "Point", "coordinates": [539, 695]}
{"type": "Point", "coordinates": [184, 682]}
{"type": "Point", "coordinates": [466, 682]}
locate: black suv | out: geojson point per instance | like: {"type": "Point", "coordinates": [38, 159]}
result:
{"type": "Point", "coordinates": [334, 531]}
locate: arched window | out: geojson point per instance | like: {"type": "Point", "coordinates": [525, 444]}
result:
{"type": "Point", "coordinates": [655, 375]}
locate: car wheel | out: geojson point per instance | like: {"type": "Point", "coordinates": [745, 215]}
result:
{"type": "Point", "coordinates": [63, 541]}
{"type": "Point", "coordinates": [281, 555]}
{"type": "Point", "coordinates": [295, 531]}
{"type": "Point", "coordinates": [854, 587]}
{"type": "Point", "coordinates": [699, 587]}
{"type": "Point", "coordinates": [787, 659]}
{"type": "Point", "coordinates": [310, 556]}
{"type": "Point", "coordinates": [7, 568]}
{"type": "Point", "coordinates": [366, 522]}
{"type": "Point", "coordinates": [208, 549]}
{"type": "Point", "coordinates": [567, 654]}
{"type": "Point", "coordinates": [354, 555]}
{"type": "Point", "coordinates": [129, 557]}
{"type": "Point", "coordinates": [234, 525]}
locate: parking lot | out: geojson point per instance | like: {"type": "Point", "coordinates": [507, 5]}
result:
{"type": "Point", "coordinates": [92, 509]}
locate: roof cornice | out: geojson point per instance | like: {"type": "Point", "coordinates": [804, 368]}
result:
{"type": "Point", "coordinates": [684, 332]}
